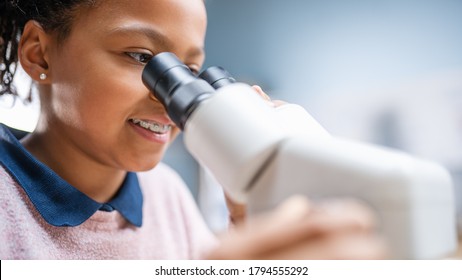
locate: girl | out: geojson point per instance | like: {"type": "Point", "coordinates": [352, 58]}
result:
{"type": "Point", "coordinates": [88, 182]}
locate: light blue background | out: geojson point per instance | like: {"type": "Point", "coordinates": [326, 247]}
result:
{"type": "Point", "coordinates": [300, 48]}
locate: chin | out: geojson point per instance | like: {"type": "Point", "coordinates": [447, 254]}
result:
{"type": "Point", "coordinates": [142, 166]}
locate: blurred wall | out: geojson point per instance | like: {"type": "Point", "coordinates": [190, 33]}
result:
{"type": "Point", "coordinates": [297, 49]}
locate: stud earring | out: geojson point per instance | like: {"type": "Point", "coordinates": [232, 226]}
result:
{"type": "Point", "coordinates": [43, 76]}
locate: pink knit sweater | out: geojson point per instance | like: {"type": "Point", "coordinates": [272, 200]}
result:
{"type": "Point", "coordinates": [172, 226]}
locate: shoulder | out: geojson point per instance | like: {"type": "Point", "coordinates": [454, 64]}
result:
{"type": "Point", "coordinates": [13, 200]}
{"type": "Point", "coordinates": [16, 218]}
{"type": "Point", "coordinates": [9, 188]}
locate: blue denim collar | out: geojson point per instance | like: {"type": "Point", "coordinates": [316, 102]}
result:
{"type": "Point", "coordinates": [59, 203]}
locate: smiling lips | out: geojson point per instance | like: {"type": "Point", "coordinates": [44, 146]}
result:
{"type": "Point", "coordinates": [153, 126]}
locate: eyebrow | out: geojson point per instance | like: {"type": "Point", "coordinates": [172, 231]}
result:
{"type": "Point", "coordinates": [155, 36]}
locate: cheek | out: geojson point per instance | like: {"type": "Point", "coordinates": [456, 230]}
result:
{"type": "Point", "coordinates": [93, 95]}
{"type": "Point", "coordinates": [76, 99]}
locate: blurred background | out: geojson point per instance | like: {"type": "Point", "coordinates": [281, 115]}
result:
{"type": "Point", "coordinates": [385, 72]}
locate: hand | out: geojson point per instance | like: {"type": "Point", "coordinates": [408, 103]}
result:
{"type": "Point", "coordinates": [298, 229]}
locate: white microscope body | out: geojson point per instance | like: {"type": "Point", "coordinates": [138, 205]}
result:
{"type": "Point", "coordinates": [261, 155]}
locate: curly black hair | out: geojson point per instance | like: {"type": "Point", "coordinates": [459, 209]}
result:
{"type": "Point", "coordinates": [53, 15]}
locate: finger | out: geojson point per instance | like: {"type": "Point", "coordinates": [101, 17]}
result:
{"type": "Point", "coordinates": [277, 103]}
{"type": "Point", "coordinates": [274, 103]}
{"type": "Point", "coordinates": [237, 211]}
{"type": "Point", "coordinates": [260, 92]}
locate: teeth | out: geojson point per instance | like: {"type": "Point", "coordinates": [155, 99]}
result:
{"type": "Point", "coordinates": [152, 126]}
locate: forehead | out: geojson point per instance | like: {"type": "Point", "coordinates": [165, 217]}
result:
{"type": "Point", "coordinates": [184, 19]}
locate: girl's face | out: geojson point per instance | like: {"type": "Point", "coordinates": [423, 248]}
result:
{"type": "Point", "coordinates": [97, 100]}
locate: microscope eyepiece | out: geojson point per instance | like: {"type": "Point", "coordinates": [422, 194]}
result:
{"type": "Point", "coordinates": [175, 86]}
{"type": "Point", "coordinates": [217, 77]}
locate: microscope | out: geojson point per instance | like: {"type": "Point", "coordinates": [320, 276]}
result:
{"type": "Point", "coordinates": [262, 154]}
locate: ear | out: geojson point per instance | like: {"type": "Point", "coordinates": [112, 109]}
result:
{"type": "Point", "coordinates": [32, 52]}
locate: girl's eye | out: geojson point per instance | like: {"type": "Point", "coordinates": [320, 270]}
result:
{"type": "Point", "coordinates": [140, 57]}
